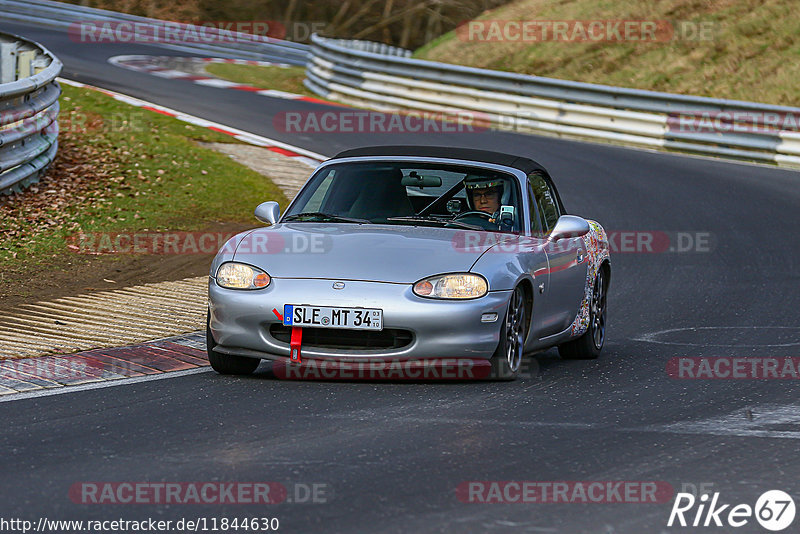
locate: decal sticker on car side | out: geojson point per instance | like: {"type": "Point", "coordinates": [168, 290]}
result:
{"type": "Point", "coordinates": [596, 243]}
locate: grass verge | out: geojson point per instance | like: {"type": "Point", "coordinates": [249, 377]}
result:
{"type": "Point", "coordinates": [287, 79]}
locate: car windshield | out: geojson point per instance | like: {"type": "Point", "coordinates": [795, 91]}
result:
{"type": "Point", "coordinates": [410, 193]}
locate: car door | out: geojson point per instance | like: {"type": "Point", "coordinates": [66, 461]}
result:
{"type": "Point", "coordinates": [567, 262]}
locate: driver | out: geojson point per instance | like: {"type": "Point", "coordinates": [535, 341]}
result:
{"type": "Point", "coordinates": [484, 194]}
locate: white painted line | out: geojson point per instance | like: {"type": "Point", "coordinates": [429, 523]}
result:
{"type": "Point", "coordinates": [250, 140]}
{"type": "Point", "coordinates": [279, 94]}
{"type": "Point", "coordinates": [215, 82]}
{"type": "Point", "coordinates": [197, 121]}
{"type": "Point", "coordinates": [308, 161]}
{"type": "Point", "coordinates": [169, 73]}
{"type": "Point", "coordinates": [126, 99]}
{"type": "Point", "coordinates": [99, 385]}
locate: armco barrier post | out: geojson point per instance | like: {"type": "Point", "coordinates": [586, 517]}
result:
{"type": "Point", "coordinates": [8, 62]}
{"type": "Point", "coordinates": [25, 63]}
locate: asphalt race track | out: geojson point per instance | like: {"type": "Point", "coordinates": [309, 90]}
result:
{"type": "Point", "coordinates": [391, 455]}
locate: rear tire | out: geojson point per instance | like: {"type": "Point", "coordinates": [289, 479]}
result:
{"type": "Point", "coordinates": [507, 359]}
{"type": "Point", "coordinates": [225, 364]}
{"type": "Point", "coordinates": [589, 345]}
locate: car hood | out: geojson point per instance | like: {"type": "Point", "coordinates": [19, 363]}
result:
{"type": "Point", "coordinates": [374, 252]}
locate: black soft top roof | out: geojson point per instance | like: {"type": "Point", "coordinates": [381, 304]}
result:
{"type": "Point", "coordinates": [485, 156]}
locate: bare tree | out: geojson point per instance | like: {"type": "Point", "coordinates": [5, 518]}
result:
{"type": "Point", "coordinates": [406, 23]}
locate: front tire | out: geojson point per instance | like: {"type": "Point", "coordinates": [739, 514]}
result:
{"type": "Point", "coordinates": [507, 359]}
{"type": "Point", "coordinates": [589, 345]}
{"type": "Point", "coordinates": [225, 364]}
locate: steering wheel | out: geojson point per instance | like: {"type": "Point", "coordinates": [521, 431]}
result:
{"type": "Point", "coordinates": [479, 218]}
{"type": "Point", "coordinates": [487, 216]}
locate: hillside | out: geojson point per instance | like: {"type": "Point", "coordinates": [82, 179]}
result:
{"type": "Point", "coordinates": [739, 49]}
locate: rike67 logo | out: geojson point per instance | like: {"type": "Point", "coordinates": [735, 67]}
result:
{"type": "Point", "coordinates": [774, 510]}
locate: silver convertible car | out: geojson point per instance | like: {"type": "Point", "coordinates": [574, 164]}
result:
{"type": "Point", "coordinates": [412, 253]}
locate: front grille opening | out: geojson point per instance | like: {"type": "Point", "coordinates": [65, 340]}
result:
{"type": "Point", "coordinates": [339, 338]}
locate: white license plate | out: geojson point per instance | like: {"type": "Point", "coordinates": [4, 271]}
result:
{"type": "Point", "coordinates": [328, 317]}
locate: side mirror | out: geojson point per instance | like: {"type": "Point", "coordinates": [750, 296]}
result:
{"type": "Point", "coordinates": [268, 212]}
{"type": "Point", "coordinates": [569, 226]}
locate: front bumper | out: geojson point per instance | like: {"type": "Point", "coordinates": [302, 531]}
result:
{"type": "Point", "coordinates": [240, 320]}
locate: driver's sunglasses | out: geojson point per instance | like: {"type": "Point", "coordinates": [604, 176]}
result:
{"type": "Point", "coordinates": [486, 194]}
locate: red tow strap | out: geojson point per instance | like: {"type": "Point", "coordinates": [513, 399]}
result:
{"type": "Point", "coordinates": [294, 345]}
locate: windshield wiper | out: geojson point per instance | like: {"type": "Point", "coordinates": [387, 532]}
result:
{"type": "Point", "coordinates": [328, 216]}
{"type": "Point", "coordinates": [444, 222]}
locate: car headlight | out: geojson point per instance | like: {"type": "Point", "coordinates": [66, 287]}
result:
{"type": "Point", "coordinates": [234, 275]}
{"type": "Point", "coordinates": [452, 286]}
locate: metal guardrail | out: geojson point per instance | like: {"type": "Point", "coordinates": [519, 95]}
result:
{"type": "Point", "coordinates": [183, 37]}
{"type": "Point", "coordinates": [375, 48]}
{"type": "Point", "coordinates": [356, 73]}
{"type": "Point", "coordinates": [28, 111]}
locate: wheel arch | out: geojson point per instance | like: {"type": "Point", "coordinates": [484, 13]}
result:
{"type": "Point", "coordinates": [606, 267]}
{"type": "Point", "coordinates": [527, 287]}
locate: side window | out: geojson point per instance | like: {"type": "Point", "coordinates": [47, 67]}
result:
{"type": "Point", "coordinates": [537, 228]}
{"type": "Point", "coordinates": [545, 201]}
